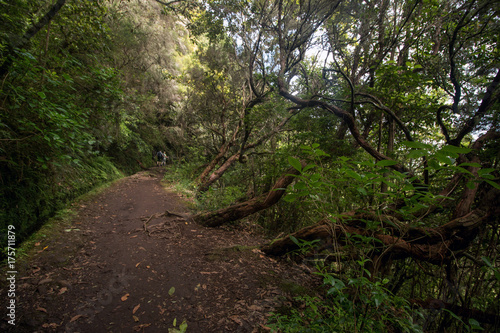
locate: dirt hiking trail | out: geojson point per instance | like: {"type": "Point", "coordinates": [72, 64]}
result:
{"type": "Point", "coordinates": [126, 264]}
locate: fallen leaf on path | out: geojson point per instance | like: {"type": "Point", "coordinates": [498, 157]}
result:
{"type": "Point", "coordinates": [255, 308]}
{"type": "Point", "coordinates": [51, 325]}
{"type": "Point", "coordinates": [138, 263]}
{"type": "Point", "coordinates": [265, 328]}
{"type": "Point", "coordinates": [124, 297]}
{"type": "Point", "coordinates": [45, 248]}
{"type": "Point", "coordinates": [162, 310]}
{"type": "Point", "coordinates": [133, 236]}
{"type": "Point", "coordinates": [236, 320]}
{"type": "Point", "coordinates": [136, 308]}
{"type": "Point", "coordinates": [63, 290]}
{"type": "Point", "coordinates": [41, 309]}
{"type": "Point", "coordinates": [44, 281]}
{"type": "Point", "coordinates": [171, 291]}
{"type": "Point", "coordinates": [141, 326]}
{"type": "Point", "coordinates": [136, 319]}
{"type": "Point", "coordinates": [75, 318]}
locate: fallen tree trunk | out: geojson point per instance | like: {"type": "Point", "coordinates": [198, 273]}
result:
{"type": "Point", "coordinates": [238, 211]}
{"type": "Point", "coordinates": [433, 245]}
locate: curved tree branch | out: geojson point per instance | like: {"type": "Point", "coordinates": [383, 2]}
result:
{"type": "Point", "coordinates": [378, 104]}
{"type": "Point", "coordinates": [346, 117]}
{"type": "Point", "coordinates": [491, 96]}
{"type": "Point", "coordinates": [433, 245]}
{"type": "Point", "coordinates": [444, 130]}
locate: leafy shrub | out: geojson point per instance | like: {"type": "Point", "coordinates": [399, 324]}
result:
{"type": "Point", "coordinates": [355, 304]}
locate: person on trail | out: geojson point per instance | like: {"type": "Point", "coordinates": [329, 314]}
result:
{"type": "Point", "coordinates": [159, 156]}
{"type": "Point", "coordinates": [164, 160]}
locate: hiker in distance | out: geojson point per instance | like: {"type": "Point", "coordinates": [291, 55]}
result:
{"type": "Point", "coordinates": [159, 158]}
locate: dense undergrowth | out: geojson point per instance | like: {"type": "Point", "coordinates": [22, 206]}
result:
{"type": "Point", "coordinates": [75, 110]}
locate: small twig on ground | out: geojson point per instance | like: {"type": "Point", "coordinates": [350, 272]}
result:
{"type": "Point", "coordinates": [145, 224]}
{"type": "Point", "coordinates": [168, 213]}
{"type": "Point", "coordinates": [157, 215]}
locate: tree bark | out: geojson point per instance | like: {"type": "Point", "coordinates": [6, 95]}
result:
{"type": "Point", "coordinates": [433, 245]}
{"type": "Point", "coordinates": [238, 211]}
{"type": "Point", "coordinates": [222, 151]}
{"type": "Point", "coordinates": [466, 202]}
{"type": "Point", "coordinates": [218, 173]}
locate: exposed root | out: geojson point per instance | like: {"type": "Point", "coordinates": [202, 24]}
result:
{"type": "Point", "coordinates": [162, 226]}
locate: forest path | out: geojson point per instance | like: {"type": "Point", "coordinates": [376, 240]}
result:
{"type": "Point", "coordinates": [124, 266]}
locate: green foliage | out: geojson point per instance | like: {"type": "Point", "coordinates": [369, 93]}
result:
{"type": "Point", "coordinates": [216, 198]}
{"type": "Point", "coordinates": [70, 116]}
{"type": "Point", "coordinates": [304, 246]}
{"type": "Point", "coordinates": [329, 187]}
{"type": "Point", "coordinates": [37, 199]}
{"type": "Point", "coordinates": [182, 327]}
{"type": "Point", "coordinates": [326, 188]}
{"type": "Point", "coordinates": [355, 304]}
{"type": "Point", "coordinates": [493, 269]}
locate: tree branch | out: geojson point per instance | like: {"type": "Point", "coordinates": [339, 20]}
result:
{"type": "Point", "coordinates": [490, 97]}
{"type": "Point", "coordinates": [444, 130]}
{"type": "Point", "coordinates": [378, 104]}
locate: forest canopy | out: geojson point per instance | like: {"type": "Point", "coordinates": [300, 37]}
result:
{"type": "Point", "coordinates": [363, 133]}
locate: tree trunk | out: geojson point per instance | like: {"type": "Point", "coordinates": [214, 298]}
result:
{"type": "Point", "coordinates": [217, 173]}
{"type": "Point", "coordinates": [205, 183]}
{"type": "Point", "coordinates": [468, 195]}
{"type": "Point", "coordinates": [390, 148]}
{"type": "Point", "coordinates": [222, 151]}
{"type": "Point", "coordinates": [241, 210]}
{"type": "Point", "coordinates": [433, 245]}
